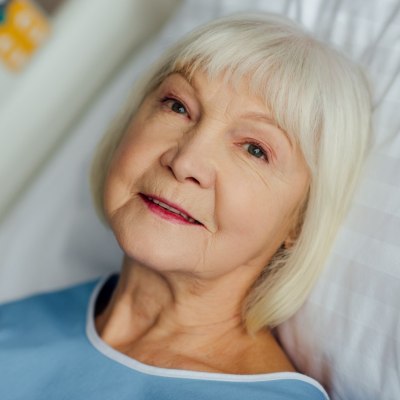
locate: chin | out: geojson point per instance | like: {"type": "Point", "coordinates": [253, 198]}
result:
{"type": "Point", "coordinates": [155, 252]}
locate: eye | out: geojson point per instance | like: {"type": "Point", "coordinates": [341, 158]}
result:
{"type": "Point", "coordinates": [174, 105]}
{"type": "Point", "coordinates": [256, 151]}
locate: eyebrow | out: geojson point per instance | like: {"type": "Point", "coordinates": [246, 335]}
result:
{"type": "Point", "coordinates": [260, 117]}
{"type": "Point", "coordinates": [267, 120]}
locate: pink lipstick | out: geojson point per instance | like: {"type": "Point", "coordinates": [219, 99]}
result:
{"type": "Point", "coordinates": [168, 210]}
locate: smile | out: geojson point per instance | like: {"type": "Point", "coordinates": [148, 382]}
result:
{"type": "Point", "coordinates": [167, 210]}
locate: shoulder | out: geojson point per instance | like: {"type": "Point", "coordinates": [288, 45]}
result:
{"type": "Point", "coordinates": [262, 354]}
{"type": "Point", "coordinates": [43, 309]}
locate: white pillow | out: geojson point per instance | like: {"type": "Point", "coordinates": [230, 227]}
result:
{"type": "Point", "coordinates": [347, 333]}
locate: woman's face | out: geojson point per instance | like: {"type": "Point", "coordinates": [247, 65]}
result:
{"type": "Point", "coordinates": [211, 152]}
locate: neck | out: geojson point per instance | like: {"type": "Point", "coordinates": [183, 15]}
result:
{"type": "Point", "coordinates": [160, 306]}
{"type": "Point", "coordinates": [180, 322]}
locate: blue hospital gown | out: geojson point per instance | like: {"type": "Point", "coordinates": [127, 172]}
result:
{"type": "Point", "coordinates": [49, 349]}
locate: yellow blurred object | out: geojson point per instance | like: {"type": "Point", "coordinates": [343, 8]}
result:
{"type": "Point", "coordinates": [23, 30]}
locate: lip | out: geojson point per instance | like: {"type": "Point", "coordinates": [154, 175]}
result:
{"type": "Point", "coordinates": [166, 214]}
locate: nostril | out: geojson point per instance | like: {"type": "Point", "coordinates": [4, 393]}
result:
{"type": "Point", "coordinates": [185, 166]}
{"type": "Point", "coordinates": [171, 170]}
{"type": "Point", "coordinates": [189, 178]}
{"type": "Point", "coordinates": [194, 180]}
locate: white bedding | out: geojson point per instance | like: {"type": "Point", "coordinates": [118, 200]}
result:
{"type": "Point", "coordinates": [347, 334]}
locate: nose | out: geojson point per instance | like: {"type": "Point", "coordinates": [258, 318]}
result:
{"type": "Point", "coordinates": [192, 159]}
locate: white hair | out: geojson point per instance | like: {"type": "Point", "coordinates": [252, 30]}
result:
{"type": "Point", "coordinates": [316, 95]}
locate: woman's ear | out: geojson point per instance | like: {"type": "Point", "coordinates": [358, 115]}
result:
{"type": "Point", "coordinates": [289, 242]}
{"type": "Point", "coordinates": [294, 232]}
{"type": "Point", "coordinates": [297, 226]}
{"type": "Point", "coordinates": [293, 235]}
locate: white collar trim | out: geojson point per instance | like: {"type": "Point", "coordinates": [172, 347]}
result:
{"type": "Point", "coordinates": [131, 363]}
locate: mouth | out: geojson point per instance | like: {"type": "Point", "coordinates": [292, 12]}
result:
{"type": "Point", "coordinates": [167, 210]}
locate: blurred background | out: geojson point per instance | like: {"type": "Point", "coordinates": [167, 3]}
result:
{"type": "Point", "coordinates": [67, 66]}
{"type": "Point", "coordinates": [56, 56]}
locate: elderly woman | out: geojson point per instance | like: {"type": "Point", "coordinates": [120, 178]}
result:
{"type": "Point", "coordinates": [224, 182]}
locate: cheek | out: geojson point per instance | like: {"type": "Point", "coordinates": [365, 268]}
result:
{"type": "Point", "coordinates": [251, 210]}
{"type": "Point", "coordinates": [257, 211]}
{"type": "Point", "coordinates": [131, 149]}
{"type": "Point", "coordinates": [126, 167]}
{"type": "Point", "coordinates": [135, 153]}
